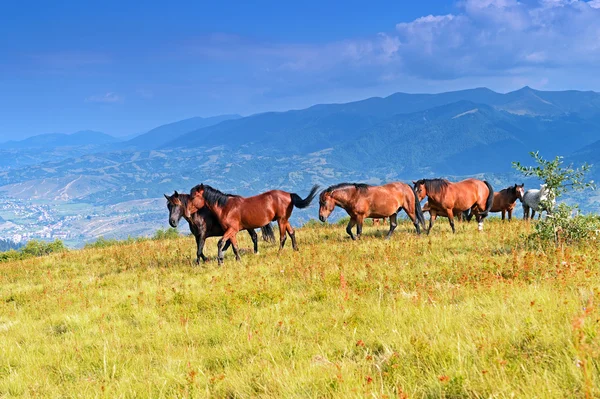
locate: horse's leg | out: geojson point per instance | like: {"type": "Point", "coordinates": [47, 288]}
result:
{"type": "Point", "coordinates": [282, 233]}
{"type": "Point", "coordinates": [236, 252]}
{"type": "Point", "coordinates": [254, 238]}
{"type": "Point", "coordinates": [221, 245]}
{"type": "Point", "coordinates": [510, 214]}
{"type": "Point", "coordinates": [450, 213]}
{"type": "Point", "coordinates": [532, 214]}
{"type": "Point", "coordinates": [351, 224]}
{"type": "Point", "coordinates": [292, 234]}
{"type": "Point", "coordinates": [393, 224]}
{"type": "Point", "coordinates": [525, 212]}
{"type": "Point", "coordinates": [359, 225]}
{"type": "Point", "coordinates": [200, 248]}
{"type": "Point", "coordinates": [432, 217]}
{"type": "Point", "coordinates": [413, 217]}
{"type": "Point", "coordinates": [503, 214]}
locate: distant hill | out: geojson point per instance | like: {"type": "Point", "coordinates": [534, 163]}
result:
{"type": "Point", "coordinates": [53, 140]}
{"type": "Point", "coordinates": [163, 134]}
{"type": "Point", "coordinates": [550, 120]}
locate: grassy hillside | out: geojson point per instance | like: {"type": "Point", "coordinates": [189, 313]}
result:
{"type": "Point", "coordinates": [465, 315]}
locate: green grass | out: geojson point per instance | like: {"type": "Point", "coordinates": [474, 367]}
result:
{"type": "Point", "coordinates": [473, 315]}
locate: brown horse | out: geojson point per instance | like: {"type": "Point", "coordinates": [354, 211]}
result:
{"type": "Point", "coordinates": [204, 224]}
{"type": "Point", "coordinates": [378, 221]}
{"type": "Point", "coordinates": [238, 213]}
{"type": "Point", "coordinates": [460, 216]}
{"type": "Point", "coordinates": [446, 198]}
{"type": "Point", "coordinates": [363, 201]}
{"type": "Point", "coordinates": [506, 200]}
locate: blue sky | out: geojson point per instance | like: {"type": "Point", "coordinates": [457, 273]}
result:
{"type": "Point", "coordinates": [126, 67]}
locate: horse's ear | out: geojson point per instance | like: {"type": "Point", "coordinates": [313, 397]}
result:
{"type": "Point", "coordinates": [522, 185]}
{"type": "Point", "coordinates": [414, 182]}
{"type": "Point", "coordinates": [167, 197]}
{"type": "Point", "coordinates": [176, 194]}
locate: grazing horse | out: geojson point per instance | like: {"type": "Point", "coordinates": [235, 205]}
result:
{"type": "Point", "coordinates": [460, 216]}
{"type": "Point", "coordinates": [533, 199]}
{"type": "Point", "coordinates": [204, 224]}
{"type": "Point", "coordinates": [238, 213]}
{"type": "Point", "coordinates": [446, 198]}
{"type": "Point", "coordinates": [363, 201]}
{"type": "Point", "coordinates": [505, 200]}
{"type": "Point", "coordinates": [378, 221]}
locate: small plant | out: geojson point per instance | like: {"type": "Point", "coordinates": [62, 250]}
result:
{"type": "Point", "coordinates": [32, 249]}
{"type": "Point", "coordinates": [564, 222]}
{"type": "Point", "coordinates": [165, 234]}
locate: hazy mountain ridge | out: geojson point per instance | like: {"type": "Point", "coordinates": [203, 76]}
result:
{"type": "Point", "coordinates": [161, 135]}
{"type": "Point", "coordinates": [53, 140]}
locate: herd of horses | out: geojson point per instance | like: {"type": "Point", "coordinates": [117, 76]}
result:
{"type": "Point", "coordinates": [212, 213]}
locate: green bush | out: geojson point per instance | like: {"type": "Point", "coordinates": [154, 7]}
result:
{"type": "Point", "coordinates": [41, 248]}
{"type": "Point", "coordinates": [563, 224]}
{"type": "Point", "coordinates": [32, 249]}
{"type": "Point", "coordinates": [165, 234]}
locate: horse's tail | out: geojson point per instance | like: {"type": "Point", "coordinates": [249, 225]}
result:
{"type": "Point", "coordinates": [418, 211]}
{"type": "Point", "coordinates": [490, 199]}
{"type": "Point", "coordinates": [267, 233]}
{"type": "Point", "coordinates": [467, 215]}
{"type": "Point", "coordinates": [303, 203]}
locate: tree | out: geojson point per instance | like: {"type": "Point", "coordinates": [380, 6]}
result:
{"type": "Point", "coordinates": [557, 178]}
{"type": "Point", "coordinates": [560, 225]}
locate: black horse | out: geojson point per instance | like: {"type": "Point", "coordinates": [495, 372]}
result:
{"type": "Point", "coordinates": [204, 224]}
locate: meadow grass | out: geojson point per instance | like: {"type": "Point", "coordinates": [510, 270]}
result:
{"type": "Point", "coordinates": [470, 315]}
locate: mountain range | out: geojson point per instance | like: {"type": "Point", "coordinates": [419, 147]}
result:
{"type": "Point", "coordinates": [475, 132]}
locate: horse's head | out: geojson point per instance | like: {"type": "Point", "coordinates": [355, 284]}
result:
{"type": "Point", "coordinates": [176, 209]}
{"type": "Point", "coordinates": [420, 189]}
{"type": "Point", "coordinates": [520, 190]}
{"type": "Point", "coordinates": [326, 205]}
{"type": "Point", "coordinates": [196, 200]}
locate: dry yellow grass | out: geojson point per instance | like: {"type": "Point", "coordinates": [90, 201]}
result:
{"type": "Point", "coordinates": [465, 315]}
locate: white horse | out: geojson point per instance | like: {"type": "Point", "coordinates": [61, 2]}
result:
{"type": "Point", "coordinates": [532, 199]}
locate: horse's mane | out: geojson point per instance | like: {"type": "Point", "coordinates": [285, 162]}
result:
{"type": "Point", "coordinates": [359, 186]}
{"type": "Point", "coordinates": [211, 195]}
{"type": "Point", "coordinates": [434, 186]}
{"type": "Point", "coordinates": [510, 190]}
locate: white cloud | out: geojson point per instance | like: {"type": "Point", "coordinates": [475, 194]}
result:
{"type": "Point", "coordinates": [106, 98]}
{"type": "Point", "coordinates": [504, 39]}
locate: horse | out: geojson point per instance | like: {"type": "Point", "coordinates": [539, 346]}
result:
{"type": "Point", "coordinates": [446, 198]}
{"type": "Point", "coordinates": [362, 201]}
{"type": "Point", "coordinates": [533, 199]}
{"type": "Point", "coordinates": [460, 216]}
{"type": "Point", "coordinates": [238, 213]}
{"type": "Point", "coordinates": [378, 221]}
{"type": "Point", "coordinates": [204, 224]}
{"type": "Point", "coordinates": [505, 200]}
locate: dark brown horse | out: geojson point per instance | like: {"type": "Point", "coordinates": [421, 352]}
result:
{"type": "Point", "coordinates": [506, 200]}
{"type": "Point", "coordinates": [363, 201]}
{"type": "Point", "coordinates": [446, 198]}
{"type": "Point", "coordinates": [204, 224]}
{"type": "Point", "coordinates": [238, 213]}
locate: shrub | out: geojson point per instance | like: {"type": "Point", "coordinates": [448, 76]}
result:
{"type": "Point", "coordinates": [32, 249]}
{"type": "Point", "coordinates": [41, 248]}
{"type": "Point", "coordinates": [563, 223]}
{"type": "Point", "coordinates": [165, 234]}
